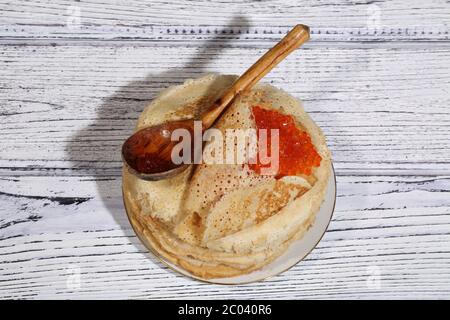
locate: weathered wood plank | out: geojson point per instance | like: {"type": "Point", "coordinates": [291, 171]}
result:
{"type": "Point", "coordinates": [118, 267]}
{"type": "Point", "coordinates": [68, 108]}
{"type": "Point", "coordinates": [189, 20]}
{"type": "Point", "coordinates": [54, 225]}
{"type": "Point", "coordinates": [375, 78]}
{"type": "Point", "coordinates": [189, 35]}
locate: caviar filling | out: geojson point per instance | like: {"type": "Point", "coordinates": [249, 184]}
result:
{"type": "Point", "coordinates": [297, 155]}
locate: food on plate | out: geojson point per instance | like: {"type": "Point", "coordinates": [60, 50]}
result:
{"type": "Point", "coordinates": [224, 220]}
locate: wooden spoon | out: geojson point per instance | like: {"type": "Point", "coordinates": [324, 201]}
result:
{"type": "Point", "coordinates": [147, 153]}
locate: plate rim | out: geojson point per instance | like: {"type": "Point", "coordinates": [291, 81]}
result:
{"type": "Point", "coordinates": [156, 254]}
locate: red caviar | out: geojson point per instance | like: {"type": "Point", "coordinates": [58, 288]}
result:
{"type": "Point", "coordinates": [297, 154]}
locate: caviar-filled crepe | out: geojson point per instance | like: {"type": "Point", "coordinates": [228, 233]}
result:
{"type": "Point", "coordinates": [224, 220]}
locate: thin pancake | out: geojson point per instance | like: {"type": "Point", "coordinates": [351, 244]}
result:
{"type": "Point", "coordinates": [224, 220]}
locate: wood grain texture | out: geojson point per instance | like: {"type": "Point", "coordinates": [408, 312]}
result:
{"type": "Point", "coordinates": [382, 108]}
{"type": "Point", "coordinates": [375, 76]}
{"type": "Point", "coordinates": [376, 224]}
{"type": "Point", "coordinates": [191, 20]}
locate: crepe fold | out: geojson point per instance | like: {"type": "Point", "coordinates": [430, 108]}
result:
{"type": "Point", "coordinates": [224, 220]}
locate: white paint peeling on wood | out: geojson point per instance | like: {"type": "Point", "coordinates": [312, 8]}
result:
{"type": "Point", "coordinates": [284, 12]}
{"type": "Point", "coordinates": [375, 223]}
{"type": "Point", "coordinates": [381, 108]}
{"type": "Point", "coordinates": [375, 77]}
{"type": "Point", "coordinates": [241, 35]}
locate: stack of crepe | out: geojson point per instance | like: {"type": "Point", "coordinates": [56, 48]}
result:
{"type": "Point", "coordinates": [224, 220]}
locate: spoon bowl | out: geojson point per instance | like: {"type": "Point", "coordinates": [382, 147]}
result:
{"type": "Point", "coordinates": [158, 175]}
{"type": "Point", "coordinates": [148, 152]}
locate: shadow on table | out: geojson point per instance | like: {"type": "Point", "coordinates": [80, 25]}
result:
{"type": "Point", "coordinates": [89, 157]}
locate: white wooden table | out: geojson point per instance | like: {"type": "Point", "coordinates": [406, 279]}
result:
{"type": "Point", "coordinates": [74, 77]}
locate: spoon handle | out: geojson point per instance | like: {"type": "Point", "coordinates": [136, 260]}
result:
{"type": "Point", "coordinates": [296, 37]}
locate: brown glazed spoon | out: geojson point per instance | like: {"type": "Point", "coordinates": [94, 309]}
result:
{"type": "Point", "coordinates": [147, 153]}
